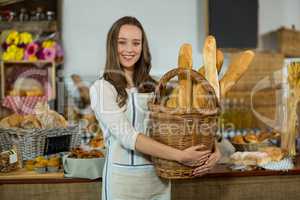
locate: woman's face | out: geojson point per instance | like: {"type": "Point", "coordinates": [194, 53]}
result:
{"type": "Point", "coordinates": [129, 45]}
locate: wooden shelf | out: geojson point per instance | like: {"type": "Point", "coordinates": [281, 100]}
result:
{"type": "Point", "coordinates": [21, 176]}
{"type": "Point", "coordinates": [30, 26]}
{"type": "Point", "coordinates": [39, 64]}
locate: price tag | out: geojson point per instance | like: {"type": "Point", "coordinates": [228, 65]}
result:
{"type": "Point", "coordinates": [13, 158]}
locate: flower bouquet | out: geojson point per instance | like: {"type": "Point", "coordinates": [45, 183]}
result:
{"type": "Point", "coordinates": [25, 46]}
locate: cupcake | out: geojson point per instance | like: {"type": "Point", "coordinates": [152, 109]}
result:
{"type": "Point", "coordinates": [53, 165]}
{"type": "Point", "coordinates": [40, 167]}
{"type": "Point", "coordinates": [29, 165]}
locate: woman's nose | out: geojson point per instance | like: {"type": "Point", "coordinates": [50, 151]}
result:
{"type": "Point", "coordinates": [129, 47]}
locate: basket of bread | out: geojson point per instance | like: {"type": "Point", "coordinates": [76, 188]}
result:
{"type": "Point", "coordinates": [31, 133]}
{"type": "Point", "coordinates": [82, 163]}
{"type": "Point", "coordinates": [253, 142]}
{"type": "Point", "coordinates": [272, 158]}
{"type": "Point", "coordinates": [187, 114]}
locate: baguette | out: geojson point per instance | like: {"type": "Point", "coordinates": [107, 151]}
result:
{"type": "Point", "coordinates": [181, 96]}
{"type": "Point", "coordinates": [237, 67]}
{"type": "Point", "coordinates": [82, 88]}
{"type": "Point", "coordinates": [210, 63]}
{"type": "Point", "coordinates": [220, 60]}
{"type": "Point", "coordinates": [185, 61]}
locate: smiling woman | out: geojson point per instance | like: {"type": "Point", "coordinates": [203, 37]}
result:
{"type": "Point", "coordinates": [119, 100]}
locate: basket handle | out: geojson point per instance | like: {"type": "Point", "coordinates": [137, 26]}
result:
{"type": "Point", "coordinates": [189, 73]}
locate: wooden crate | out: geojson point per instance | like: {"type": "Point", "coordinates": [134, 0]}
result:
{"type": "Point", "coordinates": [51, 73]}
{"type": "Point", "coordinates": [284, 40]}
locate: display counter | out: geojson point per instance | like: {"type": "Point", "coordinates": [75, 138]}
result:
{"type": "Point", "coordinates": [220, 183]}
{"type": "Point", "coordinates": [26, 185]}
{"type": "Point", "coordinates": [224, 184]}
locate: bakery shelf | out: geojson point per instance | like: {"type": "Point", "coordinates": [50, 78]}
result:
{"type": "Point", "coordinates": [30, 26]}
{"type": "Point", "coordinates": [38, 64]}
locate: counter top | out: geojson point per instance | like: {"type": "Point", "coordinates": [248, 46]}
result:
{"type": "Point", "coordinates": [22, 176]}
{"type": "Point", "coordinates": [30, 177]}
{"type": "Point", "coordinates": [225, 171]}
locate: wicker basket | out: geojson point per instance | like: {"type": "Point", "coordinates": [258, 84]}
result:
{"type": "Point", "coordinates": [32, 142]}
{"type": "Point", "coordinates": [181, 128]}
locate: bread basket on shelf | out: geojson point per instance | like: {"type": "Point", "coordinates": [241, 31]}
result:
{"type": "Point", "coordinates": [249, 146]}
{"type": "Point", "coordinates": [182, 128]}
{"type": "Point", "coordinates": [37, 142]}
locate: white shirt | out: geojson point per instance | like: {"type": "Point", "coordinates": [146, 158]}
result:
{"type": "Point", "coordinates": [112, 118]}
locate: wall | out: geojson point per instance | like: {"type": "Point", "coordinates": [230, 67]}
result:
{"type": "Point", "coordinates": [168, 24]}
{"type": "Point", "coordinates": [276, 13]}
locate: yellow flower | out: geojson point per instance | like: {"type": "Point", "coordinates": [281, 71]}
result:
{"type": "Point", "coordinates": [12, 49]}
{"type": "Point", "coordinates": [13, 38]}
{"type": "Point", "coordinates": [19, 54]}
{"type": "Point", "coordinates": [48, 44]}
{"type": "Point", "coordinates": [25, 38]}
{"type": "Point", "coordinates": [32, 58]}
{"type": "Point", "coordinates": [8, 56]}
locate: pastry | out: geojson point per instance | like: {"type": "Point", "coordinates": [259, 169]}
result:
{"type": "Point", "coordinates": [30, 122]}
{"type": "Point", "coordinates": [27, 84]}
{"type": "Point", "coordinates": [275, 153]}
{"type": "Point", "coordinates": [250, 158]}
{"type": "Point", "coordinates": [263, 136]}
{"type": "Point", "coordinates": [238, 139]}
{"type": "Point", "coordinates": [15, 120]}
{"type": "Point", "coordinates": [251, 138]}
{"type": "Point", "coordinates": [34, 93]}
{"type": "Point", "coordinates": [97, 142]}
{"type": "Point", "coordinates": [93, 128]}
{"type": "Point", "coordinates": [49, 118]}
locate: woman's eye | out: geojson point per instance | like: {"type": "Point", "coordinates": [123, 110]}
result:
{"type": "Point", "coordinates": [136, 43]}
{"type": "Point", "coordinates": [121, 42]}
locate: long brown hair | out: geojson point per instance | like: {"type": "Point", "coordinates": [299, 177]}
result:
{"type": "Point", "coordinates": [113, 71]}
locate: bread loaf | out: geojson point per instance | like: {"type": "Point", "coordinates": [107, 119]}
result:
{"type": "Point", "coordinates": [181, 96]}
{"type": "Point", "coordinates": [220, 60]}
{"type": "Point", "coordinates": [236, 69]}
{"type": "Point", "coordinates": [210, 63]}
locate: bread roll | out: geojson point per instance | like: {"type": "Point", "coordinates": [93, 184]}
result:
{"type": "Point", "coordinates": [27, 84]}
{"type": "Point", "coordinates": [210, 64]}
{"type": "Point", "coordinates": [275, 153]}
{"type": "Point", "coordinates": [49, 118]}
{"type": "Point", "coordinates": [15, 120]}
{"type": "Point", "coordinates": [30, 122]}
{"type": "Point", "coordinates": [251, 138]}
{"type": "Point", "coordinates": [250, 158]}
{"type": "Point", "coordinates": [263, 136]}
{"type": "Point", "coordinates": [238, 139]}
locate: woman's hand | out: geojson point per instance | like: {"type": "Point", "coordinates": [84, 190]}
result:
{"type": "Point", "coordinates": [209, 164]}
{"type": "Point", "coordinates": [194, 156]}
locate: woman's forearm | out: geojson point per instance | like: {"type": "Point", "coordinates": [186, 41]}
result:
{"type": "Point", "coordinates": [151, 147]}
